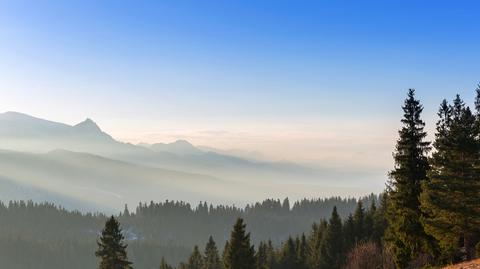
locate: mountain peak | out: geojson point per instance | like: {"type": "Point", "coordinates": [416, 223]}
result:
{"type": "Point", "coordinates": [180, 147]}
{"type": "Point", "coordinates": [12, 115]}
{"type": "Point", "coordinates": [88, 125]}
{"type": "Point", "coordinates": [182, 142]}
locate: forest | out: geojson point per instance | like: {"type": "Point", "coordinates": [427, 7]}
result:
{"type": "Point", "coordinates": [43, 235]}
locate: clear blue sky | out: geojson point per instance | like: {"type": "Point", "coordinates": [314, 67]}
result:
{"type": "Point", "coordinates": [267, 73]}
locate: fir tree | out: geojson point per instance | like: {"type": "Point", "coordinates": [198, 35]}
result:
{"type": "Point", "coordinates": [211, 256]}
{"type": "Point", "coordinates": [316, 240]}
{"type": "Point", "coordinates": [369, 219]}
{"type": "Point", "coordinates": [405, 231]}
{"type": "Point", "coordinates": [451, 199]}
{"type": "Point", "coordinates": [349, 232]}
{"type": "Point", "coordinates": [379, 220]}
{"type": "Point", "coordinates": [111, 247]}
{"type": "Point", "coordinates": [332, 245]}
{"type": "Point", "coordinates": [271, 256]}
{"type": "Point", "coordinates": [359, 222]}
{"type": "Point", "coordinates": [240, 253]}
{"type": "Point", "coordinates": [302, 252]}
{"type": "Point", "coordinates": [288, 255]}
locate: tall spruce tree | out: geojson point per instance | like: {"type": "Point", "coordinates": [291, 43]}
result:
{"type": "Point", "coordinates": [405, 231]}
{"type": "Point", "coordinates": [359, 222]}
{"type": "Point", "coordinates": [451, 198]}
{"type": "Point", "coordinates": [240, 253]}
{"type": "Point", "coordinates": [332, 246]}
{"type": "Point", "coordinates": [211, 258]}
{"type": "Point", "coordinates": [349, 232]}
{"type": "Point", "coordinates": [111, 247]}
{"type": "Point", "coordinates": [315, 244]}
{"type": "Point", "coordinates": [369, 221]}
{"type": "Point", "coordinates": [288, 255]}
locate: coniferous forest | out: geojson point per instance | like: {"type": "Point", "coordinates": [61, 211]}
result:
{"type": "Point", "coordinates": [428, 216]}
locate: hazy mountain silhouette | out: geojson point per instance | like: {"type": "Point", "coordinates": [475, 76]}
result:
{"type": "Point", "coordinates": [179, 147]}
{"type": "Point", "coordinates": [84, 163]}
{"type": "Point", "coordinates": [21, 132]}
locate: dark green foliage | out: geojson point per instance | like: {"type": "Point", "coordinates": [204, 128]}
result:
{"type": "Point", "coordinates": [261, 256]}
{"type": "Point", "coordinates": [288, 255]}
{"type": "Point", "coordinates": [111, 247]}
{"type": "Point", "coordinates": [195, 261]}
{"type": "Point", "coordinates": [379, 219]}
{"type": "Point", "coordinates": [57, 238]}
{"type": "Point", "coordinates": [332, 248]}
{"type": "Point", "coordinates": [302, 252]}
{"type": "Point", "coordinates": [211, 258]}
{"type": "Point", "coordinates": [405, 231]}
{"type": "Point", "coordinates": [315, 244]}
{"type": "Point", "coordinates": [349, 232]}
{"type": "Point", "coordinates": [359, 222]}
{"type": "Point", "coordinates": [451, 199]}
{"type": "Point", "coordinates": [240, 253]}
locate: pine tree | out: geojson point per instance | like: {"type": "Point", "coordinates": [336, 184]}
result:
{"type": "Point", "coordinates": [302, 252]}
{"type": "Point", "coordinates": [349, 232]}
{"type": "Point", "coordinates": [240, 253]}
{"type": "Point", "coordinates": [195, 261]}
{"type": "Point", "coordinates": [288, 255]}
{"type": "Point", "coordinates": [225, 250]}
{"type": "Point", "coordinates": [211, 256]}
{"type": "Point", "coordinates": [451, 199]}
{"type": "Point", "coordinates": [111, 247]}
{"type": "Point", "coordinates": [379, 220]}
{"type": "Point", "coordinates": [359, 222]}
{"type": "Point", "coordinates": [405, 231]}
{"type": "Point", "coordinates": [332, 245]}
{"type": "Point", "coordinates": [261, 256]}
{"type": "Point", "coordinates": [315, 244]}
{"type": "Point", "coordinates": [271, 256]}
{"type": "Point", "coordinates": [369, 221]}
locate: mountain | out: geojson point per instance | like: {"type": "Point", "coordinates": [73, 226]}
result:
{"type": "Point", "coordinates": [251, 155]}
{"type": "Point", "coordinates": [179, 147]}
{"type": "Point", "coordinates": [18, 125]}
{"type": "Point", "coordinates": [26, 133]}
{"type": "Point", "coordinates": [21, 132]}
{"type": "Point", "coordinates": [83, 163]}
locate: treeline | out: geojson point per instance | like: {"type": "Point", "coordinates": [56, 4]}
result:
{"type": "Point", "coordinates": [328, 245]}
{"type": "Point", "coordinates": [42, 235]}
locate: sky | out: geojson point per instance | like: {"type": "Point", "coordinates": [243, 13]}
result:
{"type": "Point", "coordinates": [319, 82]}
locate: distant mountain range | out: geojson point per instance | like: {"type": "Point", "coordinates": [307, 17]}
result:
{"type": "Point", "coordinates": [88, 166]}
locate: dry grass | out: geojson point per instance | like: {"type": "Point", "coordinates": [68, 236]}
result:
{"type": "Point", "coordinates": [466, 265]}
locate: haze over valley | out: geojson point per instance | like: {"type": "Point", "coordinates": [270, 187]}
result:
{"type": "Point", "coordinates": [82, 167]}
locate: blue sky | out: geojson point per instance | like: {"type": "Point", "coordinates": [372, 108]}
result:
{"type": "Point", "coordinates": [309, 80]}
